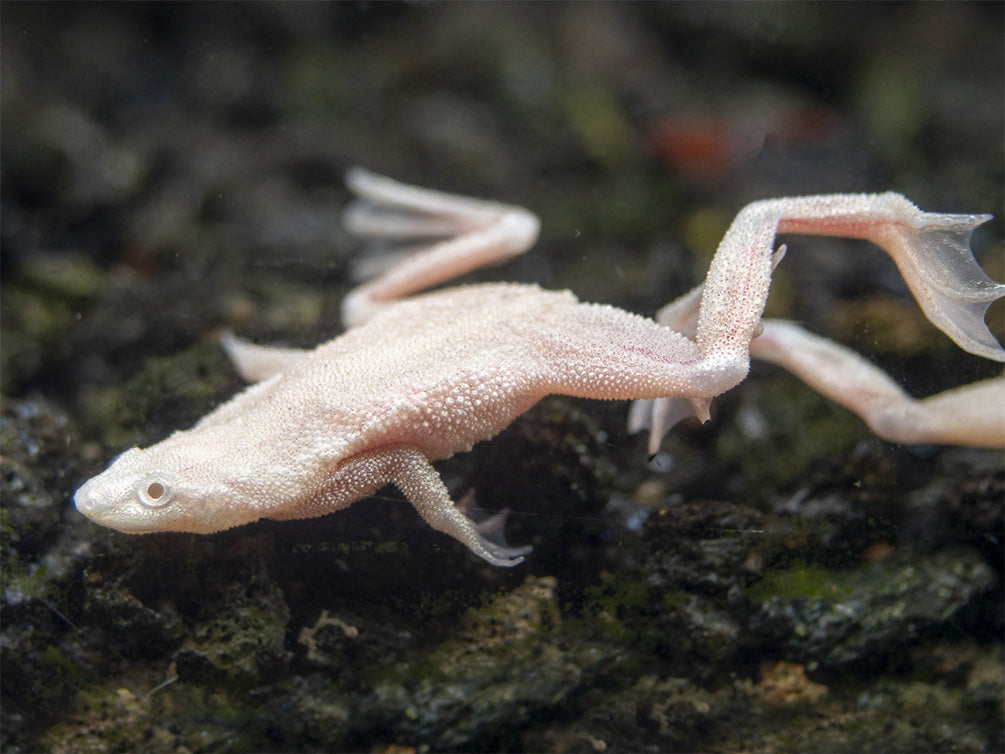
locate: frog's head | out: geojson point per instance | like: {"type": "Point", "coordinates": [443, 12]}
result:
{"type": "Point", "coordinates": [151, 490]}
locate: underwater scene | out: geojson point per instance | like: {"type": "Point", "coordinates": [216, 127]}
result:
{"type": "Point", "coordinates": [776, 578]}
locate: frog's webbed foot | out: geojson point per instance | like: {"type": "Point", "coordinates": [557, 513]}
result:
{"type": "Point", "coordinates": [449, 236]}
{"type": "Point", "coordinates": [933, 253]}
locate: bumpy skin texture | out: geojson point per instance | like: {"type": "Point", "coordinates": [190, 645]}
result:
{"type": "Point", "coordinates": [420, 379]}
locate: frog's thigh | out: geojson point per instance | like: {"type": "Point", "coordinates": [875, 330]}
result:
{"type": "Point", "coordinates": [410, 471]}
{"type": "Point", "coordinates": [598, 351]}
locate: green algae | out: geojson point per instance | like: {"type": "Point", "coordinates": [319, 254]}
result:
{"type": "Point", "coordinates": [802, 580]}
{"type": "Point", "coordinates": [507, 661]}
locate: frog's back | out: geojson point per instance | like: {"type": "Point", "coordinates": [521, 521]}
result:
{"type": "Point", "coordinates": [439, 372]}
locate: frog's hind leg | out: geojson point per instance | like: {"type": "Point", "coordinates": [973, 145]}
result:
{"type": "Point", "coordinates": [456, 235]}
{"type": "Point", "coordinates": [930, 249]}
{"type": "Point", "coordinates": [932, 252]}
{"type": "Point", "coordinates": [972, 415]}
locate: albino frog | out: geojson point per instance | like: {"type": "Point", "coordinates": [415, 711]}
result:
{"type": "Point", "coordinates": [418, 378]}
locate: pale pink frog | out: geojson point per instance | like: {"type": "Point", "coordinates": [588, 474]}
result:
{"type": "Point", "coordinates": [417, 379]}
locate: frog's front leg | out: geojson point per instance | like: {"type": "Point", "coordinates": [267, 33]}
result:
{"type": "Point", "coordinates": [256, 363]}
{"type": "Point", "coordinates": [409, 470]}
{"type": "Point", "coordinates": [461, 235]}
{"type": "Point", "coordinates": [420, 483]}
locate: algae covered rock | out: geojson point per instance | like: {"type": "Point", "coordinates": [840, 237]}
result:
{"type": "Point", "coordinates": [507, 665]}
{"type": "Point", "coordinates": [862, 619]}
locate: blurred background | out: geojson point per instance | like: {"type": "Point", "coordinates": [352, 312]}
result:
{"type": "Point", "coordinates": [200, 144]}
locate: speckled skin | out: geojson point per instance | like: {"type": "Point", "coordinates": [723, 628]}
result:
{"type": "Point", "coordinates": [426, 377]}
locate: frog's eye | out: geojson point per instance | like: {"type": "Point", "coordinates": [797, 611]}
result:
{"type": "Point", "coordinates": [155, 492]}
